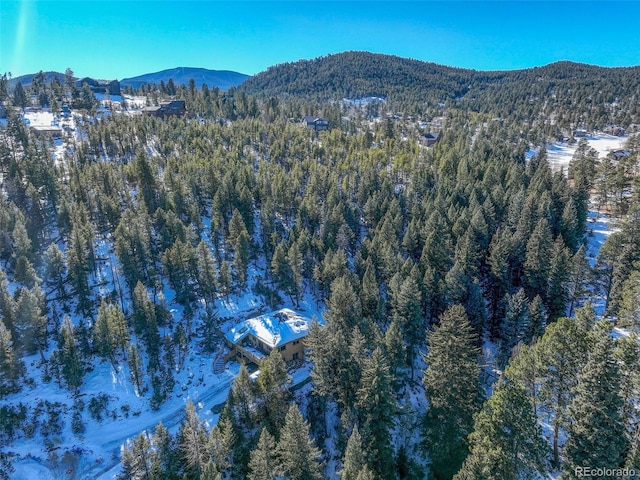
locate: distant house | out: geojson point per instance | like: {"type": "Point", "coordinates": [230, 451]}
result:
{"type": "Point", "coordinates": [317, 124]}
{"type": "Point", "coordinates": [256, 337]}
{"type": "Point", "coordinates": [42, 130]}
{"type": "Point", "coordinates": [173, 108]}
{"type": "Point", "coordinates": [614, 130]}
{"type": "Point", "coordinates": [579, 133]}
{"type": "Point", "coordinates": [619, 154]}
{"type": "Point", "coordinates": [100, 86]}
{"type": "Point", "coordinates": [429, 139]}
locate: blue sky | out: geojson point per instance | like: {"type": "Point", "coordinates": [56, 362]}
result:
{"type": "Point", "coordinates": [117, 39]}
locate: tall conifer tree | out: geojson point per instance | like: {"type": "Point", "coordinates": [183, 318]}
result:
{"type": "Point", "coordinates": [452, 384]}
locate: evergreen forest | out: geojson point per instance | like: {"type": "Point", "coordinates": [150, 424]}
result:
{"type": "Point", "coordinates": [468, 329]}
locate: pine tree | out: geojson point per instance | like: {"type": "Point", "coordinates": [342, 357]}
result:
{"type": "Point", "coordinates": [263, 463]}
{"type": "Point", "coordinates": [135, 369]}
{"type": "Point", "coordinates": [110, 331]}
{"type": "Point", "coordinates": [78, 266]}
{"type": "Point", "coordinates": [329, 346]}
{"type": "Point", "coordinates": [537, 320]}
{"type": "Point", "coordinates": [145, 323]}
{"type": "Point", "coordinates": [137, 459]}
{"type": "Point", "coordinates": [344, 305]}
{"type": "Point", "coordinates": [180, 265]}
{"type": "Point", "coordinates": [297, 453]}
{"type": "Point", "coordinates": [506, 441]}
{"type": "Point", "coordinates": [537, 262]}
{"type": "Point", "coordinates": [11, 366]}
{"type": "Point", "coordinates": [560, 352]}
{"type": "Point", "coordinates": [408, 314]}
{"type": "Point", "coordinates": [281, 269]}
{"type": "Point", "coordinates": [181, 343]}
{"type": "Point", "coordinates": [210, 471]}
{"type": "Point", "coordinates": [241, 258]}
{"type": "Point", "coordinates": [242, 398]}
{"type": "Point", "coordinates": [627, 352]}
{"type": "Point", "coordinates": [206, 273]}
{"type": "Point", "coordinates": [515, 324]}
{"type": "Point", "coordinates": [143, 310]}
{"type": "Point", "coordinates": [25, 273]}
{"type": "Point", "coordinates": [54, 268]}
{"type": "Point", "coordinates": [192, 442]}
{"type": "Point", "coordinates": [225, 282]}
{"type": "Point", "coordinates": [395, 352]}
{"type": "Point", "coordinates": [236, 227]}
{"type": "Point", "coordinates": [452, 384]}
{"type": "Point", "coordinates": [630, 301]}
{"type": "Point", "coordinates": [355, 457]}
{"type": "Point", "coordinates": [221, 447]}
{"type": "Point", "coordinates": [597, 433]}
{"type": "Point", "coordinates": [165, 459]}
{"type": "Point", "coordinates": [7, 304]}
{"type": "Point", "coordinates": [558, 280]}
{"type": "Point", "coordinates": [524, 369]}
{"type": "Point", "coordinates": [240, 412]}
{"type": "Point", "coordinates": [582, 170]}
{"type": "Point", "coordinates": [325, 358]}
{"type": "Point", "coordinates": [377, 410]}
{"type": "Point", "coordinates": [273, 386]}
{"type": "Point", "coordinates": [70, 358]}
{"type": "Point", "coordinates": [294, 258]}
{"type": "Point", "coordinates": [19, 96]}
{"type": "Point", "coordinates": [570, 225]}
{"type": "Point", "coordinates": [499, 278]}
{"type": "Point", "coordinates": [30, 324]}
{"type": "Point", "coordinates": [581, 279]}
{"type": "Point", "coordinates": [133, 245]}
{"type": "Point", "coordinates": [370, 297]}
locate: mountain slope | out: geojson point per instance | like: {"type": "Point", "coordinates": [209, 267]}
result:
{"type": "Point", "coordinates": [592, 93]}
{"type": "Point", "coordinates": [353, 74]}
{"type": "Point", "coordinates": [26, 80]}
{"type": "Point", "coordinates": [223, 79]}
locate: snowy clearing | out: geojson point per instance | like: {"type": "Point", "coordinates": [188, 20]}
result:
{"type": "Point", "coordinates": [560, 154]}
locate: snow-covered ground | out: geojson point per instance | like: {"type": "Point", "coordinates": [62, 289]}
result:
{"type": "Point", "coordinates": [560, 154]}
{"type": "Point", "coordinates": [135, 102]}
{"type": "Point", "coordinates": [40, 119]}
{"type": "Point", "coordinates": [599, 227]}
{"type": "Point", "coordinates": [46, 118]}
{"type": "Point", "coordinates": [96, 452]}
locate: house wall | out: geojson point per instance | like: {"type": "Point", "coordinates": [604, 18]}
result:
{"type": "Point", "coordinates": [291, 349]}
{"type": "Point", "coordinates": [289, 352]}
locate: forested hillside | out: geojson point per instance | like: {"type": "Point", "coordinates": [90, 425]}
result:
{"type": "Point", "coordinates": [563, 94]}
{"type": "Point", "coordinates": [456, 283]}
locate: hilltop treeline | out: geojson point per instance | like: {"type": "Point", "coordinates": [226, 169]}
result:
{"type": "Point", "coordinates": [566, 94]}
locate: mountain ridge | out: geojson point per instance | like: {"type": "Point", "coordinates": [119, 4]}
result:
{"type": "Point", "coordinates": [222, 79]}
{"type": "Point", "coordinates": [429, 86]}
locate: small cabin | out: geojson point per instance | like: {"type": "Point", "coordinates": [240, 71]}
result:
{"type": "Point", "coordinates": [173, 108]}
{"type": "Point", "coordinates": [429, 139]}
{"type": "Point", "coordinates": [317, 124]}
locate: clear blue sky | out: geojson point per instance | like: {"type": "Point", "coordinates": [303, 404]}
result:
{"type": "Point", "coordinates": [117, 39]}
